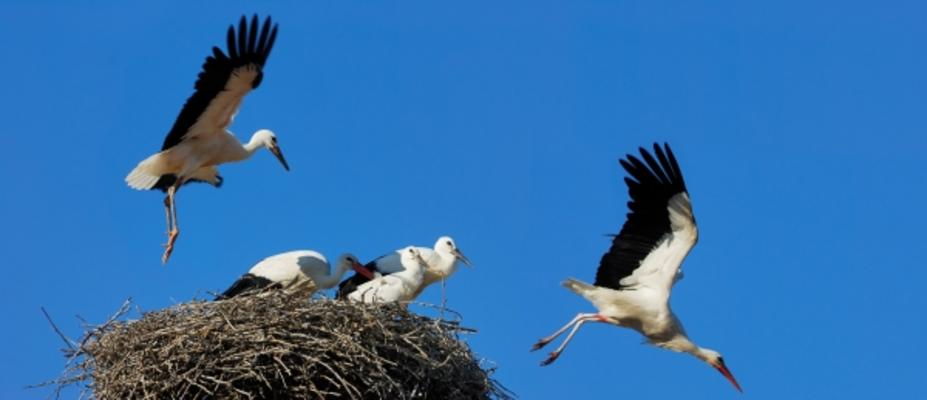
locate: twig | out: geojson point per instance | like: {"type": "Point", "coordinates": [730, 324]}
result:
{"type": "Point", "coordinates": [67, 341]}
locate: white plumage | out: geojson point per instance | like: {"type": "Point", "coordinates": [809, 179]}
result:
{"type": "Point", "coordinates": [304, 271]}
{"type": "Point", "coordinates": [398, 286]}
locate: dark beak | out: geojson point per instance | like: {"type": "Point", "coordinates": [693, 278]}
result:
{"type": "Point", "coordinates": [461, 257]}
{"type": "Point", "coordinates": [360, 270]}
{"type": "Point", "coordinates": [727, 374]}
{"type": "Point", "coordinates": [279, 155]}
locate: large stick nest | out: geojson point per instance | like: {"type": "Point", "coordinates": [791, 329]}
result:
{"type": "Point", "coordinates": [276, 346]}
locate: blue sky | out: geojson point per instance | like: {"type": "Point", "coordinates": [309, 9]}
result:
{"type": "Point", "coordinates": [799, 127]}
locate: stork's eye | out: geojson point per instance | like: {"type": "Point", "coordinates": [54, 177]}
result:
{"type": "Point", "coordinates": [449, 243]}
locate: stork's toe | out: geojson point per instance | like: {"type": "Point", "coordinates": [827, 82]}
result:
{"type": "Point", "coordinates": [551, 358]}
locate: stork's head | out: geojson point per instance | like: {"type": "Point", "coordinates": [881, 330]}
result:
{"type": "Point", "coordinates": [411, 256]}
{"type": "Point", "coordinates": [266, 138]}
{"type": "Point", "coordinates": [714, 359]}
{"type": "Point", "coordinates": [348, 260]}
{"type": "Point", "coordinates": [446, 245]}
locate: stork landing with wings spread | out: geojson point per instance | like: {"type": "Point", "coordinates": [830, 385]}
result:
{"type": "Point", "coordinates": [199, 140]}
{"type": "Point", "coordinates": [635, 277]}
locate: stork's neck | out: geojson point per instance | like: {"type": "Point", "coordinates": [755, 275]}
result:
{"type": "Point", "coordinates": [436, 261]}
{"type": "Point", "coordinates": [443, 263]}
{"type": "Point", "coordinates": [236, 151]}
{"type": "Point", "coordinates": [703, 354]}
{"type": "Point", "coordinates": [332, 279]}
{"type": "Point", "coordinates": [675, 338]}
{"type": "Point", "coordinates": [252, 146]}
{"type": "Point", "coordinates": [679, 342]}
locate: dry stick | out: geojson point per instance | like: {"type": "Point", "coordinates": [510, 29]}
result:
{"type": "Point", "coordinates": [70, 343]}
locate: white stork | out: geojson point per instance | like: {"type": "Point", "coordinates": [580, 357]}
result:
{"type": "Point", "coordinates": [440, 263]}
{"type": "Point", "coordinates": [633, 283]}
{"type": "Point", "coordinates": [398, 286]}
{"type": "Point", "coordinates": [302, 271]}
{"type": "Point", "coordinates": [199, 140]}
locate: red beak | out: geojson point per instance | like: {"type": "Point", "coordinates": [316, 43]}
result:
{"type": "Point", "coordinates": [727, 374]}
{"type": "Point", "coordinates": [362, 271]}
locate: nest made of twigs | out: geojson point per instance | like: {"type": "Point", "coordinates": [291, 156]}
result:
{"type": "Point", "coordinates": [275, 345]}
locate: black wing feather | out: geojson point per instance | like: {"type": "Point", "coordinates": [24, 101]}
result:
{"type": "Point", "coordinates": [242, 32]}
{"type": "Point", "coordinates": [650, 187]}
{"type": "Point", "coordinates": [252, 35]}
{"type": "Point", "coordinates": [248, 282]}
{"type": "Point", "coordinates": [167, 180]}
{"type": "Point", "coordinates": [655, 168]}
{"type": "Point", "coordinates": [218, 69]}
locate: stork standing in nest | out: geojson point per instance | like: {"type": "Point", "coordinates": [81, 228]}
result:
{"type": "Point", "coordinates": [440, 263]}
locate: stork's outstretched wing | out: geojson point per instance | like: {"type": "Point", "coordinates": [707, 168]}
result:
{"type": "Point", "coordinates": [224, 82]}
{"type": "Point", "coordinates": [660, 230]}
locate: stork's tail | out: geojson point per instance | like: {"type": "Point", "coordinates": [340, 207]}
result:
{"type": "Point", "coordinates": [144, 176]}
{"type": "Point", "coordinates": [577, 286]}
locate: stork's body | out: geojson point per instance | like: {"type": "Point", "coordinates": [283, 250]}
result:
{"type": "Point", "coordinates": [199, 140]}
{"type": "Point", "coordinates": [401, 285]}
{"type": "Point", "coordinates": [440, 263]}
{"type": "Point", "coordinates": [302, 271]}
{"type": "Point", "coordinates": [636, 276]}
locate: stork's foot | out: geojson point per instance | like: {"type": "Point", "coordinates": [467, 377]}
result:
{"type": "Point", "coordinates": [540, 343]}
{"type": "Point", "coordinates": [169, 247]}
{"type": "Point", "coordinates": [551, 358]}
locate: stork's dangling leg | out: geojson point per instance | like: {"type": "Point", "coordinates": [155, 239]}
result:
{"type": "Point", "coordinates": [583, 318]}
{"type": "Point", "coordinates": [172, 223]}
{"type": "Point", "coordinates": [544, 341]}
{"type": "Point", "coordinates": [167, 213]}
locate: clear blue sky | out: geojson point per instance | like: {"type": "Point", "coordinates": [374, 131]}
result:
{"type": "Point", "coordinates": [799, 126]}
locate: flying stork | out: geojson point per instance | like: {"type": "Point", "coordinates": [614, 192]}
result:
{"type": "Point", "coordinates": [440, 263]}
{"type": "Point", "coordinates": [199, 140]}
{"type": "Point", "coordinates": [633, 283]}
{"type": "Point", "coordinates": [398, 286]}
{"type": "Point", "coordinates": [300, 271]}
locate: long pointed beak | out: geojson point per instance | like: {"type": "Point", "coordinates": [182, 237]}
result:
{"type": "Point", "coordinates": [279, 154]}
{"type": "Point", "coordinates": [358, 268]}
{"type": "Point", "coordinates": [461, 257]}
{"type": "Point", "coordinates": [727, 374]}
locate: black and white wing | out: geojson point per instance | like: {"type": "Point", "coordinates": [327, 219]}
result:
{"type": "Point", "coordinates": [224, 81]}
{"type": "Point", "coordinates": [660, 230]}
{"type": "Point", "coordinates": [349, 285]}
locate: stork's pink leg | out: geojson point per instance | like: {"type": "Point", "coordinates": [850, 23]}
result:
{"type": "Point", "coordinates": [583, 318]}
{"type": "Point", "coordinates": [172, 235]}
{"type": "Point", "coordinates": [167, 213]}
{"type": "Point", "coordinates": [544, 341]}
